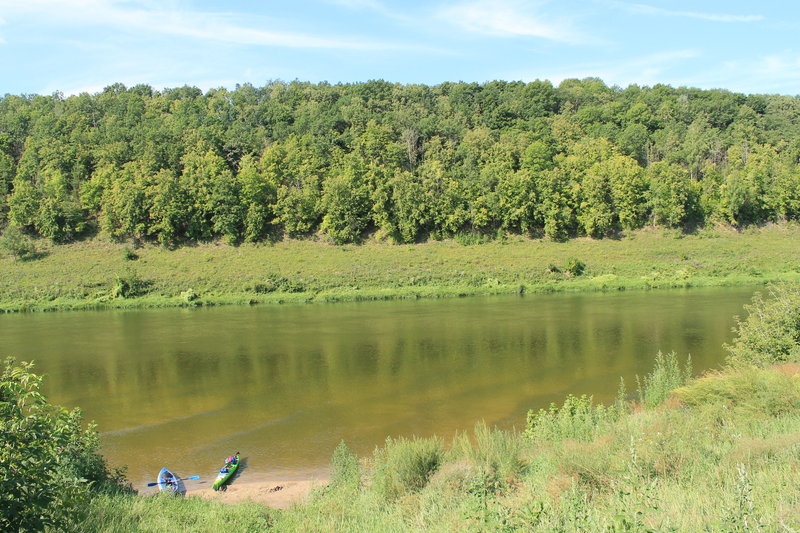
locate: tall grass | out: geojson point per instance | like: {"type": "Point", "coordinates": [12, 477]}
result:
{"type": "Point", "coordinates": [666, 376]}
{"type": "Point", "coordinates": [577, 418]}
{"type": "Point", "coordinates": [404, 465]}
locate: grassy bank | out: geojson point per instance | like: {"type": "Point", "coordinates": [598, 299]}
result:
{"type": "Point", "coordinates": [102, 274]}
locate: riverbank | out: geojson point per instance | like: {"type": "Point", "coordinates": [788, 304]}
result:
{"type": "Point", "coordinates": [99, 274]}
{"type": "Point", "coordinates": [276, 493]}
{"type": "Point", "coordinates": [718, 453]}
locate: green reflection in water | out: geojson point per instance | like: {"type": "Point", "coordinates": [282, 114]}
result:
{"type": "Point", "coordinates": [284, 384]}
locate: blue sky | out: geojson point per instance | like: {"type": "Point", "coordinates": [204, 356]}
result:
{"type": "Point", "coordinates": [84, 45]}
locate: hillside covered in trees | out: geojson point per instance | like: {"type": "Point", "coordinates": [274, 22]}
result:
{"type": "Point", "coordinates": [408, 162]}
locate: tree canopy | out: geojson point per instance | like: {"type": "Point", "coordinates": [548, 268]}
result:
{"type": "Point", "coordinates": [408, 161]}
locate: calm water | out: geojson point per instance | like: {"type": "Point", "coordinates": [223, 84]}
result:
{"type": "Point", "coordinates": [284, 384]}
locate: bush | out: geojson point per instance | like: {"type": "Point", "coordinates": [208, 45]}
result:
{"type": "Point", "coordinates": [665, 377]}
{"type": "Point", "coordinates": [276, 283]}
{"type": "Point", "coordinates": [128, 285]}
{"type": "Point", "coordinates": [48, 462]}
{"type": "Point", "coordinates": [129, 255]}
{"type": "Point", "coordinates": [345, 471]}
{"type": "Point", "coordinates": [16, 243]}
{"type": "Point", "coordinates": [577, 419]}
{"type": "Point", "coordinates": [771, 332]}
{"type": "Point", "coordinates": [495, 452]}
{"type": "Point", "coordinates": [405, 465]}
{"type": "Point", "coordinates": [189, 296]}
{"type": "Point", "coordinates": [552, 268]}
{"type": "Point", "coordinates": [756, 392]}
{"type": "Point", "coordinates": [575, 267]}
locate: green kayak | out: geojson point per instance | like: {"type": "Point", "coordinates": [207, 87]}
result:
{"type": "Point", "coordinates": [225, 473]}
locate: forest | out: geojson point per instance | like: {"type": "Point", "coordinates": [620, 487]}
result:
{"type": "Point", "coordinates": [399, 163]}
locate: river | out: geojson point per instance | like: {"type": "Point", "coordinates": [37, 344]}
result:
{"type": "Point", "coordinates": [184, 388]}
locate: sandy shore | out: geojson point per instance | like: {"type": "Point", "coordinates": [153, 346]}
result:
{"type": "Point", "coordinates": [268, 490]}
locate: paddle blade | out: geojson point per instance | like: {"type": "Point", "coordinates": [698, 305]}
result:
{"type": "Point", "coordinates": [193, 477]}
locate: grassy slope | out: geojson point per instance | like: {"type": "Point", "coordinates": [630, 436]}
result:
{"type": "Point", "coordinates": [82, 275]}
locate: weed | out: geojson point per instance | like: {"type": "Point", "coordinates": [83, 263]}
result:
{"type": "Point", "coordinates": [666, 376]}
{"type": "Point", "coordinates": [405, 465]}
{"type": "Point", "coordinates": [345, 470]}
{"type": "Point", "coordinates": [128, 285]}
{"type": "Point", "coordinates": [129, 255]}
{"type": "Point", "coordinates": [577, 419]}
{"type": "Point", "coordinates": [575, 266]}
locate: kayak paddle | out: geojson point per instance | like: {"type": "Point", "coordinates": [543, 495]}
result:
{"type": "Point", "coordinates": [180, 478]}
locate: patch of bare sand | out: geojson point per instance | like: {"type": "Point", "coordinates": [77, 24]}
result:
{"type": "Point", "coordinates": [270, 491]}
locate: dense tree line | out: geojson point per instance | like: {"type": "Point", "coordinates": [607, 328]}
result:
{"type": "Point", "coordinates": [408, 161]}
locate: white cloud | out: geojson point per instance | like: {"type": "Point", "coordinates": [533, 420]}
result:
{"type": "Point", "coordinates": [508, 18]}
{"type": "Point", "coordinates": [715, 17]}
{"type": "Point", "coordinates": [359, 4]}
{"type": "Point", "coordinates": [645, 70]}
{"type": "Point", "coordinates": [774, 73]}
{"type": "Point", "coordinates": [142, 16]}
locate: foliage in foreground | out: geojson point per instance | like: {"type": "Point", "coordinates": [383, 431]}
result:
{"type": "Point", "coordinates": [48, 461]}
{"type": "Point", "coordinates": [771, 332]}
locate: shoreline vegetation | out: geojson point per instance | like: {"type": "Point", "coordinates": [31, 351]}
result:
{"type": "Point", "coordinates": [716, 452]}
{"type": "Point", "coordinates": [103, 274]}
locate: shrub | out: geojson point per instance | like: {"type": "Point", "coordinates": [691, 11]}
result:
{"type": "Point", "coordinates": [577, 419]}
{"type": "Point", "coordinates": [16, 243]}
{"type": "Point", "coordinates": [405, 465]}
{"type": "Point", "coordinates": [128, 285]}
{"type": "Point", "coordinates": [276, 283]}
{"type": "Point", "coordinates": [48, 462]}
{"type": "Point", "coordinates": [575, 266]}
{"type": "Point", "coordinates": [495, 452]}
{"type": "Point", "coordinates": [665, 377]}
{"type": "Point", "coordinates": [552, 268]}
{"type": "Point", "coordinates": [189, 296]}
{"type": "Point", "coordinates": [129, 255]}
{"type": "Point", "coordinates": [345, 471]}
{"type": "Point", "coordinates": [755, 391]}
{"type": "Point", "coordinates": [471, 238]}
{"type": "Point", "coordinates": [771, 332]}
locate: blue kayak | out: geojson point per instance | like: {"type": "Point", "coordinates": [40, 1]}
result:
{"type": "Point", "coordinates": [167, 481]}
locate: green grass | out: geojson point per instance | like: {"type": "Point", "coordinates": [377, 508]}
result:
{"type": "Point", "coordinates": [92, 274]}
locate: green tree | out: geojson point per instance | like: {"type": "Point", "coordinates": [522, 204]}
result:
{"type": "Point", "coordinates": [59, 215]}
{"type": "Point", "coordinates": [171, 208]}
{"type": "Point", "coordinates": [670, 190]}
{"type": "Point", "coordinates": [16, 243]}
{"type": "Point", "coordinates": [346, 203]}
{"type": "Point", "coordinates": [48, 462]}
{"type": "Point", "coordinates": [24, 203]}
{"type": "Point", "coordinates": [206, 180]}
{"type": "Point", "coordinates": [629, 190]}
{"type": "Point", "coordinates": [258, 198]}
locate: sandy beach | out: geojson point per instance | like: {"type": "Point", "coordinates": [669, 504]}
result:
{"type": "Point", "coordinates": [276, 492]}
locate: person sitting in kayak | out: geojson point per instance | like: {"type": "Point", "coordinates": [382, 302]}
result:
{"type": "Point", "coordinates": [231, 460]}
{"type": "Point", "coordinates": [223, 470]}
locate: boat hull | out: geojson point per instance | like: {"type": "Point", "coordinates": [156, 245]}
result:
{"type": "Point", "coordinates": [167, 481]}
{"type": "Point", "coordinates": [224, 477]}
